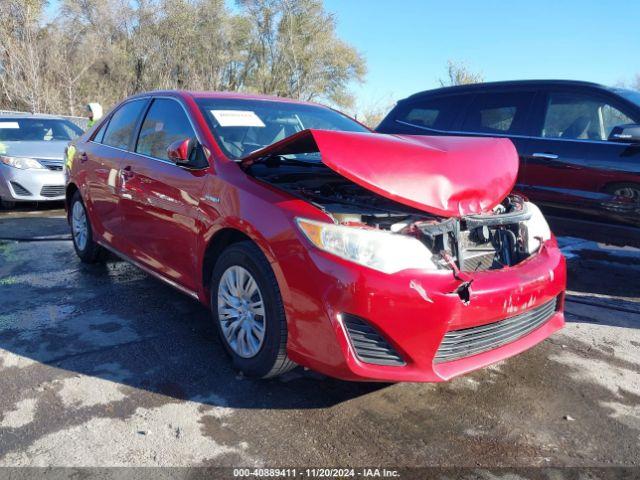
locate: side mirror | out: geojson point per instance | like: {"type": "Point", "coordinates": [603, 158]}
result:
{"type": "Point", "coordinates": [629, 133]}
{"type": "Point", "coordinates": [180, 151]}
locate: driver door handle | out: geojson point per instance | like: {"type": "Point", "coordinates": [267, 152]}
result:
{"type": "Point", "coordinates": [548, 156]}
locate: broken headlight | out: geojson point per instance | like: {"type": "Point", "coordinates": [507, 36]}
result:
{"type": "Point", "coordinates": [382, 251]}
{"type": "Point", "coordinates": [537, 229]}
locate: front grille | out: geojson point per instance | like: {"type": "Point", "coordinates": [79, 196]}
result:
{"type": "Point", "coordinates": [474, 340]}
{"type": "Point", "coordinates": [20, 190]}
{"type": "Point", "coordinates": [55, 165]}
{"type": "Point", "coordinates": [369, 345]}
{"type": "Point", "coordinates": [52, 191]}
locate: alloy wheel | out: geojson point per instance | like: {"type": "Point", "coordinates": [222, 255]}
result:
{"type": "Point", "coordinates": [79, 226]}
{"type": "Point", "coordinates": [628, 192]}
{"type": "Point", "coordinates": [241, 311]}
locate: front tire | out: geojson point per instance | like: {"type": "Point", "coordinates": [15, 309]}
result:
{"type": "Point", "coordinates": [82, 233]}
{"type": "Point", "coordinates": [7, 204]}
{"type": "Point", "coordinates": [247, 309]}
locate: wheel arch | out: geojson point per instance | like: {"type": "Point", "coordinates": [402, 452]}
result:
{"type": "Point", "coordinates": [225, 237]}
{"type": "Point", "coordinates": [215, 246]}
{"type": "Point", "coordinates": [610, 186]}
{"type": "Point", "coordinates": [70, 191]}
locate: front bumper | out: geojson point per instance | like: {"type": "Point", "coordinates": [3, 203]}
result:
{"type": "Point", "coordinates": [31, 185]}
{"type": "Point", "coordinates": [412, 311]}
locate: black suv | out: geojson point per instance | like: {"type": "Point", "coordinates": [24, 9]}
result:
{"type": "Point", "coordinates": [579, 145]}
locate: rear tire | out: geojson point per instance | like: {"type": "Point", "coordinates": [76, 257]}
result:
{"type": "Point", "coordinates": [626, 190]}
{"type": "Point", "coordinates": [82, 233]}
{"type": "Point", "coordinates": [247, 309]}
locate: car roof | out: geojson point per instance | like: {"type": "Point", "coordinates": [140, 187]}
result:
{"type": "Point", "coordinates": [506, 84]}
{"type": "Point", "coordinates": [223, 95]}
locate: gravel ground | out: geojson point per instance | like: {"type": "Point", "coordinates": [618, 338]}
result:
{"type": "Point", "coordinates": [105, 366]}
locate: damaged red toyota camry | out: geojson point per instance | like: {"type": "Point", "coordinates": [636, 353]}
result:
{"type": "Point", "coordinates": [316, 242]}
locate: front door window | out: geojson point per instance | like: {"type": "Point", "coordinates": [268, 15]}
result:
{"type": "Point", "coordinates": [580, 117]}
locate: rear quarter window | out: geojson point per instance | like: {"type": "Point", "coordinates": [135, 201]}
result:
{"type": "Point", "coordinates": [99, 136]}
{"type": "Point", "coordinates": [119, 131]}
{"type": "Point", "coordinates": [498, 112]}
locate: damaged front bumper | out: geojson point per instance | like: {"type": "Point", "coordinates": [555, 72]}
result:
{"type": "Point", "coordinates": [358, 324]}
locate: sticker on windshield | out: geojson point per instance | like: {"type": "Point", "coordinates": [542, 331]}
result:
{"type": "Point", "coordinates": [237, 118]}
{"type": "Point", "coordinates": [9, 125]}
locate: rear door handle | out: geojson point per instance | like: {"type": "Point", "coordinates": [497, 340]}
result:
{"type": "Point", "coordinates": [127, 173]}
{"type": "Point", "coordinates": [83, 157]}
{"type": "Point", "coordinates": [548, 156]}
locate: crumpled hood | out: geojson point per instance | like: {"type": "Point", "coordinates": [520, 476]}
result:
{"type": "Point", "coordinates": [446, 176]}
{"type": "Point", "coordinates": [53, 149]}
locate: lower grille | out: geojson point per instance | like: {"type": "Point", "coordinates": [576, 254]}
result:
{"type": "Point", "coordinates": [369, 345]}
{"type": "Point", "coordinates": [471, 341]}
{"type": "Point", "coordinates": [20, 190]}
{"type": "Point", "coordinates": [52, 191]}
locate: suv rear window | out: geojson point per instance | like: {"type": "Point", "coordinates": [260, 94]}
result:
{"type": "Point", "coordinates": [122, 124]}
{"type": "Point", "coordinates": [436, 113]}
{"type": "Point", "coordinates": [498, 113]}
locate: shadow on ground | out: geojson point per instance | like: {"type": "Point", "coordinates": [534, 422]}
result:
{"type": "Point", "coordinates": [29, 222]}
{"type": "Point", "coordinates": [602, 286]}
{"type": "Point", "coordinates": [59, 312]}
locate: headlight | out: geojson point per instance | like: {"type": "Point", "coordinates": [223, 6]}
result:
{"type": "Point", "coordinates": [383, 251]}
{"type": "Point", "coordinates": [20, 162]}
{"type": "Point", "coordinates": [537, 228]}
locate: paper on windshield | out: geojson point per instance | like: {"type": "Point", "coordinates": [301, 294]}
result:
{"type": "Point", "coordinates": [9, 125]}
{"type": "Point", "coordinates": [237, 118]}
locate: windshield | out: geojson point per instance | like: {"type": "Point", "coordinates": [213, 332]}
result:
{"type": "Point", "coordinates": [37, 129]}
{"type": "Point", "coordinates": [631, 95]}
{"type": "Point", "coordinates": [243, 126]}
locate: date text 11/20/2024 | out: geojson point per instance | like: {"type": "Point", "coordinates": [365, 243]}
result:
{"type": "Point", "coordinates": [316, 472]}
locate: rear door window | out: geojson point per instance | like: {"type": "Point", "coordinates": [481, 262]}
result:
{"type": "Point", "coordinates": [434, 113]}
{"type": "Point", "coordinates": [165, 123]}
{"type": "Point", "coordinates": [122, 125]}
{"type": "Point", "coordinates": [498, 113]}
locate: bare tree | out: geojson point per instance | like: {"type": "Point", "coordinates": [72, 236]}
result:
{"type": "Point", "coordinates": [105, 50]}
{"type": "Point", "coordinates": [371, 113]}
{"type": "Point", "coordinates": [458, 73]}
{"type": "Point", "coordinates": [294, 52]}
{"type": "Point", "coordinates": [22, 54]}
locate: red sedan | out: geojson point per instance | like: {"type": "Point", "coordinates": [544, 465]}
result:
{"type": "Point", "coordinates": [317, 242]}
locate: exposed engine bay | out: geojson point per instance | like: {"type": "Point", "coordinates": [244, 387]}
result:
{"type": "Point", "coordinates": [469, 243]}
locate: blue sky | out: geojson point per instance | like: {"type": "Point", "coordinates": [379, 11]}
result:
{"type": "Point", "coordinates": [407, 42]}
